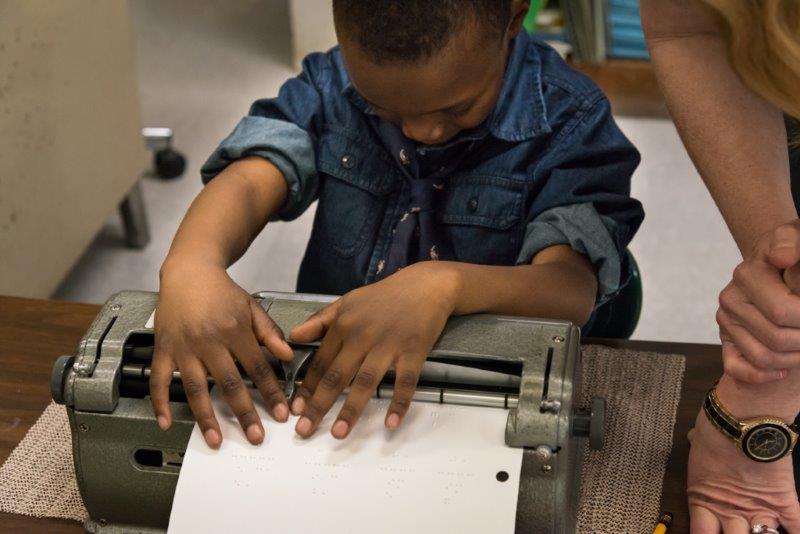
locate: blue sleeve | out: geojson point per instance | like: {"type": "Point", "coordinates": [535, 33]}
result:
{"type": "Point", "coordinates": [585, 198]}
{"type": "Point", "coordinates": [284, 130]}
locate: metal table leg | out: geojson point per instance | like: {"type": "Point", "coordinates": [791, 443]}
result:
{"type": "Point", "coordinates": [134, 218]}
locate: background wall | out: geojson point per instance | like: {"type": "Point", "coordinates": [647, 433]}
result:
{"type": "Point", "coordinates": [70, 147]}
{"type": "Point", "coordinates": [311, 27]}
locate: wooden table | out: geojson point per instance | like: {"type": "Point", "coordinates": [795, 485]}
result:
{"type": "Point", "coordinates": [33, 333]}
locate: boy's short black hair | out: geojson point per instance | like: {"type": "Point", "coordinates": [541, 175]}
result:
{"type": "Point", "coordinates": [408, 30]}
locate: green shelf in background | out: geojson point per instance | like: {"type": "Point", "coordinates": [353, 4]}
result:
{"type": "Point", "coordinates": [530, 19]}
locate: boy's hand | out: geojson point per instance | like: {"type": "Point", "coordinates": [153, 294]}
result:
{"type": "Point", "coordinates": [392, 323]}
{"type": "Point", "coordinates": [204, 322]}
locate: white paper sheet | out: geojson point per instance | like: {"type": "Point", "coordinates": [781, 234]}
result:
{"type": "Point", "coordinates": [436, 473]}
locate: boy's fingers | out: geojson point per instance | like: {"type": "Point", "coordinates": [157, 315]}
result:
{"type": "Point", "coordinates": [316, 325]}
{"type": "Point", "coordinates": [260, 372]}
{"type": "Point", "coordinates": [236, 395]}
{"type": "Point", "coordinates": [330, 386]}
{"type": "Point", "coordinates": [195, 386]}
{"type": "Point", "coordinates": [327, 351]}
{"type": "Point", "coordinates": [160, 379]}
{"type": "Point", "coordinates": [361, 390]}
{"type": "Point", "coordinates": [405, 384]}
{"type": "Point", "coordinates": [268, 333]}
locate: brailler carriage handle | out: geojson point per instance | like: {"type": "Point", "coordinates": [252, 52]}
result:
{"type": "Point", "coordinates": [291, 369]}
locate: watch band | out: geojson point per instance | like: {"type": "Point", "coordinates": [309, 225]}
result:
{"type": "Point", "coordinates": [737, 430]}
{"type": "Point", "coordinates": [720, 417]}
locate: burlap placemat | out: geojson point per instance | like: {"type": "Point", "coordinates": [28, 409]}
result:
{"type": "Point", "coordinates": [621, 484]}
{"type": "Point", "coordinates": [38, 477]}
{"type": "Point", "coordinates": [621, 487]}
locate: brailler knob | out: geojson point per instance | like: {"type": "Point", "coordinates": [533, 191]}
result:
{"type": "Point", "coordinates": [590, 422]}
{"type": "Point", "coordinates": [597, 427]}
{"type": "Point", "coordinates": [58, 377]}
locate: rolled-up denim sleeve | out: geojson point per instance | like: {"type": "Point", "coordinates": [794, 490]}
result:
{"type": "Point", "coordinates": [283, 130]}
{"type": "Point", "coordinates": [584, 197]}
{"type": "Point", "coordinates": [587, 232]}
{"type": "Point", "coordinates": [285, 144]}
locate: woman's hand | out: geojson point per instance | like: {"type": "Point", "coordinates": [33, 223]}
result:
{"type": "Point", "coordinates": [759, 312]}
{"type": "Point", "coordinates": [393, 323]}
{"type": "Point", "coordinates": [204, 323]}
{"type": "Point", "coordinates": [730, 493]}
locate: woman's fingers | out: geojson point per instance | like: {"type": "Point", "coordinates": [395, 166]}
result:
{"type": "Point", "coordinates": [766, 519]}
{"type": "Point", "coordinates": [362, 389]}
{"type": "Point", "coordinates": [784, 247]}
{"type": "Point", "coordinates": [735, 525]}
{"type": "Point", "coordinates": [703, 520]}
{"type": "Point", "coordinates": [260, 372]}
{"type": "Point", "coordinates": [160, 378]}
{"type": "Point", "coordinates": [763, 286]}
{"type": "Point", "coordinates": [268, 333]}
{"type": "Point", "coordinates": [755, 352]}
{"type": "Point", "coordinates": [739, 368]}
{"type": "Point", "coordinates": [790, 518]}
{"type": "Point", "coordinates": [791, 277]}
{"type": "Point", "coordinates": [195, 386]}
{"type": "Point", "coordinates": [236, 394]}
{"type": "Point", "coordinates": [777, 338]}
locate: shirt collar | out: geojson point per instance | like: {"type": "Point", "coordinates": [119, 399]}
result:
{"type": "Point", "coordinates": [520, 111]}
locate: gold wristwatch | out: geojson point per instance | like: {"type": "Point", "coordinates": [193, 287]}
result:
{"type": "Point", "coordinates": [763, 439]}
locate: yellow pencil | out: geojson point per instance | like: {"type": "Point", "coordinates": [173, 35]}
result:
{"type": "Point", "coordinates": [663, 523]}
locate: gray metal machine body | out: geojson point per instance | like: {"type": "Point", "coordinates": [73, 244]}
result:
{"type": "Point", "coordinates": [127, 468]}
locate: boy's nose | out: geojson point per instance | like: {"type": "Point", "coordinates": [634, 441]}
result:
{"type": "Point", "coordinates": [426, 132]}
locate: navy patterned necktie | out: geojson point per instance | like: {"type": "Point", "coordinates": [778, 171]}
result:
{"type": "Point", "coordinates": [415, 236]}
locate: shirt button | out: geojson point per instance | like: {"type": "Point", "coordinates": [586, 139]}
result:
{"type": "Point", "coordinates": [404, 159]}
{"type": "Point", "coordinates": [348, 161]}
{"type": "Point", "coordinates": [472, 205]}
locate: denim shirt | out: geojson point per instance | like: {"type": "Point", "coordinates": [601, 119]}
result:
{"type": "Point", "coordinates": [548, 166]}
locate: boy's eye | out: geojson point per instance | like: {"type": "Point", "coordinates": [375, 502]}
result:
{"type": "Point", "coordinates": [459, 110]}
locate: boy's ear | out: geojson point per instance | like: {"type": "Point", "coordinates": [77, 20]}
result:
{"type": "Point", "coordinates": [519, 9]}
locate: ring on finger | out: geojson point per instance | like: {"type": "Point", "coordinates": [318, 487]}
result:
{"type": "Point", "coordinates": [763, 529]}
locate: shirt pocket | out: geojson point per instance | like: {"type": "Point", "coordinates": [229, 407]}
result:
{"type": "Point", "coordinates": [356, 177]}
{"type": "Point", "coordinates": [480, 216]}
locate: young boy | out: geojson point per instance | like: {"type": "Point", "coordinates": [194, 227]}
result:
{"type": "Point", "coordinates": [459, 167]}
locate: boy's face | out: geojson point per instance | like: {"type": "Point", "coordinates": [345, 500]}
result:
{"type": "Point", "coordinates": [435, 98]}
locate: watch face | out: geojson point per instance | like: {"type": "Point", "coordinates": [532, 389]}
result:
{"type": "Point", "coordinates": [766, 442]}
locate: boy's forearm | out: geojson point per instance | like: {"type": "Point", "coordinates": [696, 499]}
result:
{"type": "Point", "coordinates": [736, 140]}
{"type": "Point", "coordinates": [227, 215]}
{"type": "Point", "coordinates": [564, 288]}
